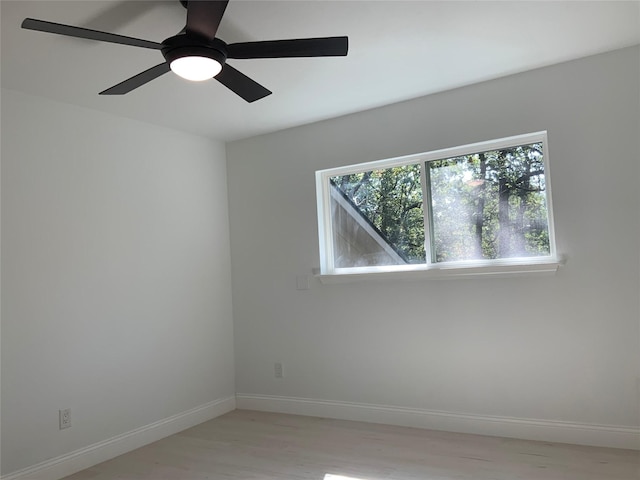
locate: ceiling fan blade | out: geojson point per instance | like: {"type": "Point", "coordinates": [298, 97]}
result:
{"type": "Point", "coordinates": [240, 84]}
{"type": "Point", "coordinates": [60, 29]}
{"type": "Point", "coordinates": [203, 17]}
{"type": "Point", "coordinates": [137, 80]}
{"type": "Point", "coordinates": [302, 47]}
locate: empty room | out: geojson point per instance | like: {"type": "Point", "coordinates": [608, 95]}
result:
{"type": "Point", "coordinates": [320, 240]}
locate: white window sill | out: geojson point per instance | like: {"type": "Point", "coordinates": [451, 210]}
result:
{"type": "Point", "coordinates": [442, 272]}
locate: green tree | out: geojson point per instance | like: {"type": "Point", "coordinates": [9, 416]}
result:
{"type": "Point", "coordinates": [391, 199]}
{"type": "Point", "coordinates": [483, 205]}
{"type": "Point", "coordinates": [503, 191]}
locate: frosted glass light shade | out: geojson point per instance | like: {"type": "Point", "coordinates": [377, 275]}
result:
{"type": "Point", "coordinates": [196, 68]}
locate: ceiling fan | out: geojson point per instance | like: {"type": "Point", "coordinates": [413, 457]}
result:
{"type": "Point", "coordinates": [196, 54]}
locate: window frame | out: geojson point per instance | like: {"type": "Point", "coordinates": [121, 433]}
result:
{"type": "Point", "coordinates": [508, 266]}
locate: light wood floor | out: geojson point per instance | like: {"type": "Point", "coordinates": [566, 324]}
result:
{"type": "Point", "coordinates": [245, 445]}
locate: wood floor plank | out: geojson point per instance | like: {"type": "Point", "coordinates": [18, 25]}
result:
{"type": "Point", "coordinates": [246, 445]}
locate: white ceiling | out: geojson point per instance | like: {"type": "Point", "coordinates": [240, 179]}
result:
{"type": "Point", "coordinates": [397, 50]}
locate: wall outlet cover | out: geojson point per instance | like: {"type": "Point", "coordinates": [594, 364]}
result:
{"type": "Point", "coordinates": [302, 282]}
{"type": "Point", "coordinates": [65, 418]}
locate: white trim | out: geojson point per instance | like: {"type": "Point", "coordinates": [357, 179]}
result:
{"type": "Point", "coordinates": [325, 235]}
{"type": "Point", "coordinates": [524, 428]}
{"type": "Point", "coordinates": [426, 213]}
{"type": "Point", "coordinates": [547, 183]}
{"type": "Point", "coordinates": [451, 270]}
{"type": "Point", "coordinates": [91, 455]}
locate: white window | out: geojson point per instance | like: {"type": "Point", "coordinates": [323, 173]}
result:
{"type": "Point", "coordinates": [483, 208]}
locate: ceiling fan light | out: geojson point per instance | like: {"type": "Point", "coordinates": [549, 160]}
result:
{"type": "Point", "coordinates": [196, 68]}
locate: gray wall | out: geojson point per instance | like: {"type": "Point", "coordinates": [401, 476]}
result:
{"type": "Point", "coordinates": [116, 300]}
{"type": "Point", "coordinates": [563, 347]}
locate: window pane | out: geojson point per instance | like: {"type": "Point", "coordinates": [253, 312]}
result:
{"type": "Point", "coordinates": [377, 217]}
{"type": "Point", "coordinates": [489, 205]}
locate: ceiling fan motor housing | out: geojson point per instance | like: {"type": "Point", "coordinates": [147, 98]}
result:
{"type": "Point", "coordinates": [186, 46]}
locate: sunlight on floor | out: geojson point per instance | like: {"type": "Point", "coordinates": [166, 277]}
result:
{"type": "Point", "coordinates": [329, 476]}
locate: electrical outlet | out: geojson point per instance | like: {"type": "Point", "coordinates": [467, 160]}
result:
{"type": "Point", "coordinates": [278, 370]}
{"type": "Point", "coordinates": [65, 418]}
{"type": "Point", "coordinates": [302, 282]}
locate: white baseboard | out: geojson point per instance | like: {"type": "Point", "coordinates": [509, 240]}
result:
{"type": "Point", "coordinates": [86, 457]}
{"type": "Point", "coordinates": [524, 428]}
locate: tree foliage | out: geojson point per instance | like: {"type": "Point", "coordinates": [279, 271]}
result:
{"type": "Point", "coordinates": [391, 199]}
{"type": "Point", "coordinates": [484, 205]}
{"type": "Point", "coordinates": [489, 205]}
